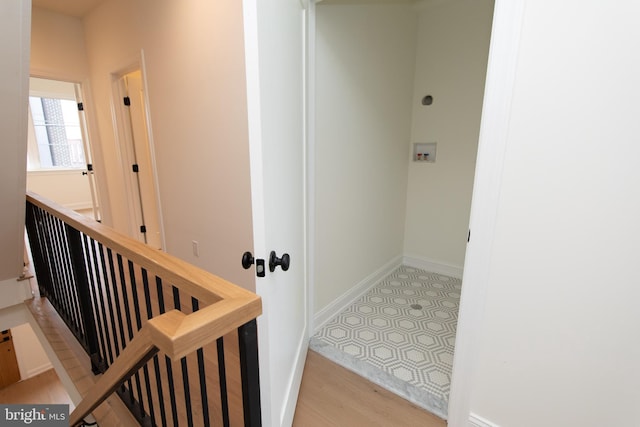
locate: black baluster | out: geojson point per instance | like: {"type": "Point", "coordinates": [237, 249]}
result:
{"type": "Point", "coordinates": [250, 373]}
{"type": "Point", "coordinates": [147, 382]}
{"type": "Point", "coordinates": [185, 368]}
{"type": "Point", "coordinates": [82, 289]}
{"type": "Point", "coordinates": [98, 308]}
{"type": "Point", "coordinates": [156, 361]}
{"type": "Point", "coordinates": [222, 376]}
{"type": "Point", "coordinates": [195, 306]}
{"type": "Point", "coordinates": [108, 287]}
{"type": "Point", "coordinates": [172, 393]}
{"type": "Point", "coordinates": [136, 312]}
{"type": "Point", "coordinates": [35, 244]}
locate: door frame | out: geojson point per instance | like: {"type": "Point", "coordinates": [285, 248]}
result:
{"type": "Point", "coordinates": [499, 84]}
{"type": "Point", "coordinates": [310, 130]}
{"type": "Point", "coordinates": [123, 136]}
{"type": "Point", "coordinates": [82, 94]}
{"type": "Point", "coordinates": [494, 130]}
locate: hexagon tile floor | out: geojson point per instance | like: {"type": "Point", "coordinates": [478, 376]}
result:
{"type": "Point", "coordinates": [400, 335]}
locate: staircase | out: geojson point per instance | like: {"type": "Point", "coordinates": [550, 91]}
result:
{"type": "Point", "coordinates": [175, 344]}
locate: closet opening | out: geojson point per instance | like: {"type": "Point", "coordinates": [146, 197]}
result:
{"type": "Point", "coordinates": [398, 93]}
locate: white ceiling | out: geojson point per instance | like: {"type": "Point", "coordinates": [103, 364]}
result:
{"type": "Point", "coordinates": [77, 8]}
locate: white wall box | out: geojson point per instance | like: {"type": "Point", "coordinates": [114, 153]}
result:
{"type": "Point", "coordinates": [424, 152]}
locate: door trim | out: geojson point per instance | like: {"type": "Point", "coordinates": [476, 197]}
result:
{"type": "Point", "coordinates": [310, 150]}
{"type": "Point", "coordinates": [494, 128]}
{"type": "Point", "coordinates": [122, 135]}
{"type": "Point", "coordinates": [89, 138]}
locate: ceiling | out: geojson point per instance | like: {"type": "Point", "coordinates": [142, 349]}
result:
{"type": "Point", "coordinates": [77, 8]}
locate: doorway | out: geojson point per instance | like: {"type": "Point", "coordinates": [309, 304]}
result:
{"type": "Point", "coordinates": [9, 370]}
{"type": "Point", "coordinates": [59, 152]}
{"type": "Point", "coordinates": [132, 123]}
{"type": "Point", "coordinates": [392, 78]}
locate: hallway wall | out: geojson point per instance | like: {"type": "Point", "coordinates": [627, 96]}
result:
{"type": "Point", "coordinates": [194, 57]}
{"type": "Point", "coordinates": [57, 46]}
{"type": "Point", "coordinates": [365, 63]}
{"type": "Point", "coordinates": [14, 86]}
{"type": "Point", "coordinates": [58, 52]}
{"type": "Point", "coordinates": [452, 49]}
{"type": "Point", "coordinates": [32, 359]}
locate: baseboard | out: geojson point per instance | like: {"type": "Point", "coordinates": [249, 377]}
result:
{"type": "Point", "coordinates": [344, 301]}
{"type": "Point", "coordinates": [433, 266]}
{"type": "Point", "coordinates": [79, 206]}
{"type": "Point", "coordinates": [477, 421]}
{"type": "Point", "coordinates": [38, 370]}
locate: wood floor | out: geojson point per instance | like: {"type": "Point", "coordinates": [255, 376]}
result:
{"type": "Point", "coordinates": [43, 388]}
{"type": "Point", "coordinates": [329, 395]}
{"type": "Point", "coordinates": [76, 363]}
{"type": "Point", "coordinates": [333, 396]}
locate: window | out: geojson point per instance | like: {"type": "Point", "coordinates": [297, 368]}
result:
{"type": "Point", "coordinates": [55, 136]}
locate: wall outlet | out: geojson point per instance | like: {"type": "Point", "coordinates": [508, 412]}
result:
{"type": "Point", "coordinates": [196, 248]}
{"type": "Point", "coordinates": [424, 152]}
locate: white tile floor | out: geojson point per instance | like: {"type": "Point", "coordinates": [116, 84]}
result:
{"type": "Point", "coordinates": [400, 335]}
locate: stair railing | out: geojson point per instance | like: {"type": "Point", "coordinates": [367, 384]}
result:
{"type": "Point", "coordinates": [176, 343]}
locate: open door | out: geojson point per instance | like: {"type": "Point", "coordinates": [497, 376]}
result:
{"type": "Point", "coordinates": [274, 48]}
{"type": "Point", "coordinates": [137, 157]}
{"type": "Point", "coordinates": [9, 370]}
{"type": "Point", "coordinates": [59, 156]}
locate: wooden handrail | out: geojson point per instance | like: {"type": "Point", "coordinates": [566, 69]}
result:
{"type": "Point", "coordinates": [134, 356]}
{"type": "Point", "coordinates": [201, 284]}
{"type": "Point", "coordinates": [227, 306]}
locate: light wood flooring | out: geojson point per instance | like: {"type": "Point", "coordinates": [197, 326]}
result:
{"type": "Point", "coordinates": [333, 396]}
{"type": "Point", "coordinates": [76, 363]}
{"type": "Point", "coordinates": [329, 395]}
{"type": "Point", "coordinates": [40, 389]}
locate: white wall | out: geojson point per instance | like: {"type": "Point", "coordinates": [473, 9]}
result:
{"type": "Point", "coordinates": [58, 52]}
{"type": "Point", "coordinates": [14, 84]}
{"type": "Point", "coordinates": [57, 46]}
{"type": "Point", "coordinates": [194, 58]}
{"type": "Point", "coordinates": [68, 188]}
{"type": "Point", "coordinates": [32, 359]}
{"type": "Point", "coordinates": [559, 344]}
{"type": "Point", "coordinates": [451, 62]}
{"type": "Point", "coordinates": [19, 315]}
{"type": "Point", "coordinates": [365, 64]}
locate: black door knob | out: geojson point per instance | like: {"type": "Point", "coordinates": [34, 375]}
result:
{"type": "Point", "coordinates": [247, 260]}
{"type": "Point", "coordinates": [274, 261]}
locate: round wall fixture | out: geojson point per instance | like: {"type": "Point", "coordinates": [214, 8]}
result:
{"type": "Point", "coordinates": [427, 100]}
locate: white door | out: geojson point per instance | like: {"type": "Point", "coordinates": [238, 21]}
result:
{"type": "Point", "coordinates": [58, 147]}
{"type": "Point", "coordinates": [138, 158]}
{"type": "Point", "coordinates": [274, 46]}
{"type": "Point", "coordinates": [88, 154]}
